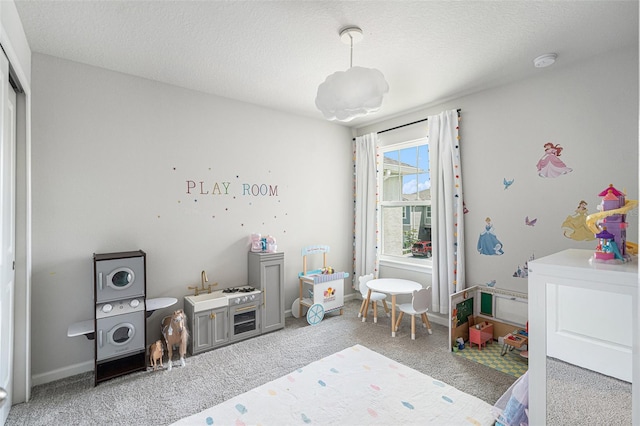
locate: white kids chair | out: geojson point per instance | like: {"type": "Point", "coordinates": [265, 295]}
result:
{"type": "Point", "coordinates": [419, 306]}
{"type": "Point", "coordinates": [373, 299]}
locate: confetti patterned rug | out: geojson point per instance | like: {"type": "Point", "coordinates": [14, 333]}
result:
{"type": "Point", "coordinates": [511, 363]}
{"type": "Point", "coordinates": [355, 386]}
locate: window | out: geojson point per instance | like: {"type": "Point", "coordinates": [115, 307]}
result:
{"type": "Point", "coordinates": [405, 202]}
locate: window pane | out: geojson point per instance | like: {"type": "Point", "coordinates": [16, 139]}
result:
{"type": "Point", "coordinates": [405, 210]}
{"type": "Point", "coordinates": [414, 170]}
{"type": "Point", "coordinates": [409, 162]}
{"type": "Point", "coordinates": [424, 177]}
{"type": "Point", "coordinates": [404, 226]}
{"type": "Point", "coordinates": [392, 223]}
{"type": "Point", "coordinates": [391, 182]}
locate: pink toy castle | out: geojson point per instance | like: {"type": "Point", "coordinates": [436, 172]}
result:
{"type": "Point", "coordinates": [613, 237]}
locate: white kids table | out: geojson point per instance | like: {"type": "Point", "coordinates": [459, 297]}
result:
{"type": "Point", "coordinates": [392, 286]}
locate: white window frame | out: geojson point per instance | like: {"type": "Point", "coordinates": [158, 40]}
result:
{"type": "Point", "coordinates": [400, 262]}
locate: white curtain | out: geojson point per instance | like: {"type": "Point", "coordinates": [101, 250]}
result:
{"type": "Point", "coordinates": [365, 257]}
{"type": "Point", "coordinates": [447, 217]}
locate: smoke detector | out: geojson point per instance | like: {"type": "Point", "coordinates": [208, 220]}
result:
{"type": "Point", "coordinates": [545, 60]}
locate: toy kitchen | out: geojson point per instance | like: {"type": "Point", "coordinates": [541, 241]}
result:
{"type": "Point", "coordinates": [219, 317]}
{"type": "Point", "coordinates": [215, 317]}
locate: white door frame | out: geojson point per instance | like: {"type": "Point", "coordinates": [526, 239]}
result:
{"type": "Point", "coordinates": [7, 235]}
{"type": "Point", "coordinates": [20, 63]}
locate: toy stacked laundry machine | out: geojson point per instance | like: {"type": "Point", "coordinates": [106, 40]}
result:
{"type": "Point", "coordinates": [120, 320]}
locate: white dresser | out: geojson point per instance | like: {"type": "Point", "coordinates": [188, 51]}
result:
{"type": "Point", "coordinates": [583, 313]}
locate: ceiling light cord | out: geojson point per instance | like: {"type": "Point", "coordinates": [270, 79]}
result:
{"type": "Point", "coordinates": [351, 52]}
{"type": "Point", "coordinates": [351, 35]}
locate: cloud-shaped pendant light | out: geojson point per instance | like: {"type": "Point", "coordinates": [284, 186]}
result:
{"type": "Point", "coordinates": [356, 92]}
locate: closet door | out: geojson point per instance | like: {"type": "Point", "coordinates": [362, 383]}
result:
{"type": "Point", "coordinates": [7, 234]}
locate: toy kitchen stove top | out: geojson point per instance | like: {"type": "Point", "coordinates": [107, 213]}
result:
{"type": "Point", "coordinates": [241, 295]}
{"type": "Point", "coordinates": [242, 289]}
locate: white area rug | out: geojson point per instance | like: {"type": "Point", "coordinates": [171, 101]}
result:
{"type": "Point", "coordinates": [355, 386]}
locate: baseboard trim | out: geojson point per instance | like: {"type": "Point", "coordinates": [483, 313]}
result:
{"type": "Point", "coordinates": [438, 319]}
{"type": "Point", "coordinates": [61, 373]}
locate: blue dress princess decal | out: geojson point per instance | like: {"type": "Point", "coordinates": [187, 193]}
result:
{"type": "Point", "coordinates": [488, 243]}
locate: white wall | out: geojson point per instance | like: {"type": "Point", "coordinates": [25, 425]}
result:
{"type": "Point", "coordinates": [112, 155]}
{"type": "Point", "coordinates": [589, 108]}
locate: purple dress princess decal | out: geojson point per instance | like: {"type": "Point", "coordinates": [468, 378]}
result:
{"type": "Point", "coordinates": [488, 243]}
{"type": "Point", "coordinates": [550, 165]}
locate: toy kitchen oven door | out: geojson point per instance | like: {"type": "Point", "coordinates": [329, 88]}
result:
{"type": "Point", "coordinates": [244, 312]}
{"type": "Point", "coordinates": [120, 320]}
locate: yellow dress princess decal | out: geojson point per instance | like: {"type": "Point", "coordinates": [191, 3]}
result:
{"type": "Point", "coordinates": [575, 226]}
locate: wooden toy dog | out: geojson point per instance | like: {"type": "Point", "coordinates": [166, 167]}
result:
{"type": "Point", "coordinates": [156, 351]}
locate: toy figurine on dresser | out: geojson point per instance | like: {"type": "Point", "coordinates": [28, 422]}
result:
{"type": "Point", "coordinates": [174, 330]}
{"type": "Point", "coordinates": [610, 227]}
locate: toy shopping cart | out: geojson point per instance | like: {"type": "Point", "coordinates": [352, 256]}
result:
{"type": "Point", "coordinates": [325, 288]}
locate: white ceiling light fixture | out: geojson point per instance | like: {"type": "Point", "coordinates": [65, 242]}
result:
{"type": "Point", "coordinates": [356, 92]}
{"type": "Point", "coordinates": [545, 60]}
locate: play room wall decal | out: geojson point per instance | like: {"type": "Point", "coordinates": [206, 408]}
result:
{"type": "Point", "coordinates": [222, 188]}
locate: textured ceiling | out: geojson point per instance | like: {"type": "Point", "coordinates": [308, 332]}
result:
{"type": "Point", "coordinates": [276, 53]}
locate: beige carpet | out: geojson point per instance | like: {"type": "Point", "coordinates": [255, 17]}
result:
{"type": "Point", "coordinates": [576, 397]}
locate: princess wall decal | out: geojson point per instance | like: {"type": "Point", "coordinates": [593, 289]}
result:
{"type": "Point", "coordinates": [488, 243]}
{"type": "Point", "coordinates": [575, 226]}
{"type": "Point", "coordinates": [550, 165]}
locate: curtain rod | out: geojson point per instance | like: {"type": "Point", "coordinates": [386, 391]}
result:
{"type": "Point", "coordinates": [407, 124]}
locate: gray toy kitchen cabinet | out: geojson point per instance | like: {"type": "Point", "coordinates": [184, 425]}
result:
{"type": "Point", "coordinates": [266, 273]}
{"type": "Point", "coordinates": [209, 329]}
